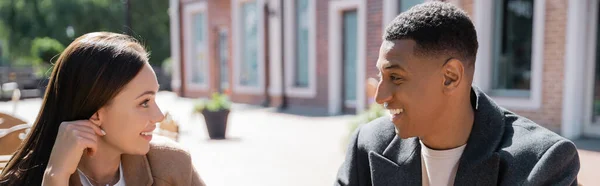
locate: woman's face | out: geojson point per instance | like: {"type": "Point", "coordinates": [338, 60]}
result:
{"type": "Point", "coordinates": [132, 115]}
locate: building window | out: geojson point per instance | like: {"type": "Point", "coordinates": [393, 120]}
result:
{"type": "Point", "coordinates": [404, 5]}
{"type": "Point", "coordinates": [393, 8]}
{"type": "Point", "coordinates": [596, 89]}
{"type": "Point", "coordinates": [224, 60]}
{"type": "Point", "coordinates": [349, 56]}
{"type": "Point", "coordinates": [512, 48]}
{"type": "Point", "coordinates": [198, 48]}
{"type": "Point", "coordinates": [299, 48]}
{"type": "Point", "coordinates": [302, 38]}
{"type": "Point", "coordinates": [249, 60]}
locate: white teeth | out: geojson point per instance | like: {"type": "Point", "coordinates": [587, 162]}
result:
{"type": "Point", "coordinates": [395, 111]}
{"type": "Point", "coordinates": [146, 133]}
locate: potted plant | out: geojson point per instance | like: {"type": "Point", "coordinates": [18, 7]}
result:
{"type": "Point", "coordinates": [215, 111]}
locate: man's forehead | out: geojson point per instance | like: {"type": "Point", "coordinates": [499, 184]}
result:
{"type": "Point", "coordinates": [384, 60]}
{"type": "Point", "coordinates": [395, 53]}
{"type": "Point", "coordinates": [386, 45]}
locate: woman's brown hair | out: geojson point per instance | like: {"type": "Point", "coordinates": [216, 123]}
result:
{"type": "Point", "coordinates": [89, 73]}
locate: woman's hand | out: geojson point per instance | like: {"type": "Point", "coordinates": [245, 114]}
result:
{"type": "Point", "coordinates": [73, 138]}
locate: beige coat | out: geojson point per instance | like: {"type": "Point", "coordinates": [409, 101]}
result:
{"type": "Point", "coordinates": [166, 164]}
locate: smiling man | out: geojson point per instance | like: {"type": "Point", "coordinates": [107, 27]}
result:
{"type": "Point", "coordinates": [441, 129]}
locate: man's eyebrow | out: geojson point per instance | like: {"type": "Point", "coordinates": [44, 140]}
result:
{"type": "Point", "coordinates": [389, 66]}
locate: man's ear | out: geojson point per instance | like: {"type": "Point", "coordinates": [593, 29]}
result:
{"type": "Point", "coordinates": [453, 73]}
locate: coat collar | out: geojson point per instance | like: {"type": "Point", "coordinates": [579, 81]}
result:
{"type": "Point", "coordinates": [400, 162]}
{"type": "Point", "coordinates": [136, 170]}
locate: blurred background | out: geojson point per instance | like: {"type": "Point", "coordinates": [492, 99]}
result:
{"type": "Point", "coordinates": [266, 92]}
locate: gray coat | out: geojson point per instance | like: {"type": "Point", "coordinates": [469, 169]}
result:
{"type": "Point", "coordinates": [503, 149]}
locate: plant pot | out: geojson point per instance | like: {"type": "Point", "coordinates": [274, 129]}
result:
{"type": "Point", "coordinates": [216, 123]}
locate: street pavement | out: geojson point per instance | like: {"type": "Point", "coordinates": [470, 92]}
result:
{"type": "Point", "coordinates": [263, 147]}
{"type": "Point", "coordinates": [267, 148]}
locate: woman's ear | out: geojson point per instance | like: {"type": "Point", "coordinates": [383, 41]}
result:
{"type": "Point", "coordinates": [96, 119]}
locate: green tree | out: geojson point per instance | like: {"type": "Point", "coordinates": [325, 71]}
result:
{"type": "Point", "coordinates": [43, 52]}
{"type": "Point", "coordinates": [150, 24]}
{"type": "Point", "coordinates": [46, 48]}
{"type": "Point", "coordinates": [21, 21]}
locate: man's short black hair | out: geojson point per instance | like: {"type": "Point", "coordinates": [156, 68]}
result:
{"type": "Point", "coordinates": [438, 29]}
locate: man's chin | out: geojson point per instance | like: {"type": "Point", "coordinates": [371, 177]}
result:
{"type": "Point", "coordinates": [403, 133]}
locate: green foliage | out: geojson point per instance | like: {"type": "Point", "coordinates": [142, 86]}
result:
{"type": "Point", "coordinates": [167, 66]}
{"type": "Point", "coordinates": [21, 21]}
{"type": "Point", "coordinates": [596, 107]}
{"type": "Point", "coordinates": [46, 48]}
{"type": "Point", "coordinates": [26, 61]}
{"type": "Point", "coordinates": [216, 103]}
{"type": "Point", "coordinates": [375, 111]}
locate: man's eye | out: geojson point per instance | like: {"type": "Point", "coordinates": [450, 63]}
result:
{"type": "Point", "coordinates": [394, 78]}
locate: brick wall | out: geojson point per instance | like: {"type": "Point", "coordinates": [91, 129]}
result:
{"type": "Point", "coordinates": [322, 29]}
{"type": "Point", "coordinates": [219, 16]}
{"type": "Point", "coordinates": [186, 92]}
{"type": "Point", "coordinates": [374, 34]}
{"type": "Point", "coordinates": [240, 97]}
{"type": "Point", "coordinates": [219, 13]}
{"type": "Point", "coordinates": [373, 41]}
{"type": "Point", "coordinates": [550, 113]}
{"type": "Point", "coordinates": [467, 6]}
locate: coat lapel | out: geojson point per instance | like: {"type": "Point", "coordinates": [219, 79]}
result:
{"type": "Point", "coordinates": [480, 159]}
{"type": "Point", "coordinates": [400, 163]}
{"type": "Point", "coordinates": [136, 170]}
{"type": "Point", "coordinates": [74, 180]}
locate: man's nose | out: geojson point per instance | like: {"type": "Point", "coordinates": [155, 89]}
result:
{"type": "Point", "coordinates": [383, 93]}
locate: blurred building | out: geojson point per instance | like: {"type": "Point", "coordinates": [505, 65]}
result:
{"type": "Point", "coordinates": [536, 57]}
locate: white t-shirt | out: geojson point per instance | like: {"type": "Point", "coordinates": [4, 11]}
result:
{"type": "Point", "coordinates": [438, 167]}
{"type": "Point", "coordinates": [86, 182]}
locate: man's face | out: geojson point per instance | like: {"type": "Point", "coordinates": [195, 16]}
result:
{"type": "Point", "coordinates": [412, 87]}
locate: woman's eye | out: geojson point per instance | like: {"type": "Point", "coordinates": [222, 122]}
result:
{"type": "Point", "coordinates": [145, 104]}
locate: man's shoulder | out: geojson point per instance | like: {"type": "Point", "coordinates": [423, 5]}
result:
{"type": "Point", "coordinates": [525, 139]}
{"type": "Point", "coordinates": [531, 152]}
{"type": "Point", "coordinates": [376, 134]}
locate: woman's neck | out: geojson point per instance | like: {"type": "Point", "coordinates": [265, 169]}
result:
{"type": "Point", "coordinates": [103, 167]}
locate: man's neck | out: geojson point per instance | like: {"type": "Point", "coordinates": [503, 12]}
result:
{"type": "Point", "coordinates": [103, 167]}
{"type": "Point", "coordinates": [454, 129]}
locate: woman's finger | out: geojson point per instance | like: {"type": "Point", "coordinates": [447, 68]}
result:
{"type": "Point", "coordinates": [96, 129]}
{"type": "Point", "coordinates": [88, 142]}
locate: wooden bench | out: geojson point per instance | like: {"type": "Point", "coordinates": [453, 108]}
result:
{"type": "Point", "coordinates": [3, 161]}
{"type": "Point", "coordinates": [12, 133]}
{"type": "Point", "coordinates": [168, 128]}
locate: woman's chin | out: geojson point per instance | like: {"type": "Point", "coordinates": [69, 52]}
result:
{"type": "Point", "coordinates": [139, 150]}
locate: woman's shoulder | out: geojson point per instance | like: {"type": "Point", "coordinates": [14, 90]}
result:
{"type": "Point", "coordinates": [165, 153]}
{"type": "Point", "coordinates": [171, 164]}
{"type": "Point", "coordinates": [164, 145]}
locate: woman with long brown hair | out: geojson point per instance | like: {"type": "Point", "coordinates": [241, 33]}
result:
{"type": "Point", "coordinates": [96, 121]}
